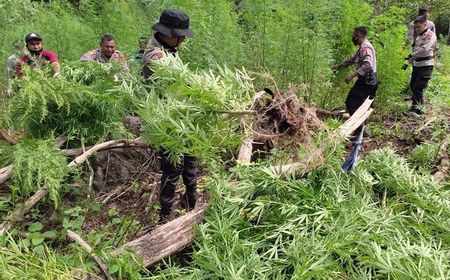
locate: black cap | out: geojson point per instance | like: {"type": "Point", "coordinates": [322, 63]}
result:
{"type": "Point", "coordinates": [173, 23]}
{"type": "Point", "coordinates": [32, 36]}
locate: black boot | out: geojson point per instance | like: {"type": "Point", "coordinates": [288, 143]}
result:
{"type": "Point", "coordinates": [188, 201]}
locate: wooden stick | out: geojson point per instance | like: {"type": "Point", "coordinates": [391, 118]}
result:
{"type": "Point", "coordinates": [91, 171]}
{"type": "Point", "coordinates": [77, 239]}
{"type": "Point", "coordinates": [101, 146]}
{"type": "Point", "coordinates": [79, 151]}
{"type": "Point", "coordinates": [5, 136]}
{"type": "Point", "coordinates": [5, 173]}
{"type": "Point", "coordinates": [245, 152]}
{"type": "Point", "coordinates": [20, 211]}
{"type": "Point", "coordinates": [167, 239]}
{"type": "Point", "coordinates": [357, 119]}
{"type": "Point", "coordinates": [444, 161]}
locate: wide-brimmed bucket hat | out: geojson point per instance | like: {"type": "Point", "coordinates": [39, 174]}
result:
{"type": "Point", "coordinates": [173, 23]}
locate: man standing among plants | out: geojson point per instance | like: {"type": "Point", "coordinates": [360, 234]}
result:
{"type": "Point", "coordinates": [171, 31]}
{"type": "Point", "coordinates": [422, 59]}
{"type": "Point", "coordinates": [37, 57]}
{"type": "Point", "coordinates": [107, 53]}
{"type": "Point", "coordinates": [366, 70]}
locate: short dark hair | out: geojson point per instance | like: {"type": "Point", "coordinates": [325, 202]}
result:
{"type": "Point", "coordinates": [420, 19]}
{"type": "Point", "coordinates": [361, 30]}
{"type": "Point", "coordinates": [107, 37]}
{"type": "Point", "coordinates": [423, 11]}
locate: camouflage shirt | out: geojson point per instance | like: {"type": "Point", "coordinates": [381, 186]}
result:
{"type": "Point", "coordinates": [97, 55]}
{"type": "Point", "coordinates": [155, 51]}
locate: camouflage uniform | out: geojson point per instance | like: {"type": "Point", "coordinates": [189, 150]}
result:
{"type": "Point", "coordinates": [97, 55]}
{"type": "Point", "coordinates": [367, 84]}
{"type": "Point", "coordinates": [154, 51]}
{"type": "Point", "coordinates": [187, 167]}
{"type": "Point", "coordinates": [422, 57]}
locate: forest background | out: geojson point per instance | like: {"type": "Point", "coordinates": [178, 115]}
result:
{"type": "Point", "coordinates": [388, 220]}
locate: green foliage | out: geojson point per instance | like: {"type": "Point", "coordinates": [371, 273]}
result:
{"type": "Point", "coordinates": [289, 40]}
{"type": "Point", "coordinates": [424, 155]}
{"type": "Point", "coordinates": [387, 35]}
{"type": "Point", "coordinates": [189, 116]}
{"type": "Point", "coordinates": [327, 225]}
{"type": "Point", "coordinates": [46, 106]}
{"type": "Point", "coordinates": [38, 163]}
{"type": "Point", "coordinates": [40, 263]}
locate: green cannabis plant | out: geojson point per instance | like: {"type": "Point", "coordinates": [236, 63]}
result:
{"type": "Point", "coordinates": [185, 114]}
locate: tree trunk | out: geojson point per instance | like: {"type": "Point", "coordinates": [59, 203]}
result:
{"type": "Point", "coordinates": [167, 239]}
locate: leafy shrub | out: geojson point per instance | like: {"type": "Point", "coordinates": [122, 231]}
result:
{"type": "Point", "coordinates": [45, 106]}
{"type": "Point", "coordinates": [424, 155]}
{"type": "Point", "coordinates": [38, 163]}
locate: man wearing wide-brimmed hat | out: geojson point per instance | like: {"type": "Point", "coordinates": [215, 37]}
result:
{"type": "Point", "coordinates": [171, 30]}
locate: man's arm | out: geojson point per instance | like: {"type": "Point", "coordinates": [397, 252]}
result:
{"type": "Point", "coordinates": [56, 67]}
{"type": "Point", "coordinates": [123, 61]}
{"type": "Point", "coordinates": [153, 55]}
{"type": "Point", "coordinates": [346, 63]}
{"type": "Point", "coordinates": [367, 66]}
{"type": "Point", "coordinates": [89, 56]}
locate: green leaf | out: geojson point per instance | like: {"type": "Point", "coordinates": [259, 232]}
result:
{"type": "Point", "coordinates": [37, 240]}
{"type": "Point", "coordinates": [35, 227]}
{"type": "Point", "coordinates": [50, 234]}
{"type": "Point", "coordinates": [113, 269]}
{"type": "Point", "coordinates": [73, 210]}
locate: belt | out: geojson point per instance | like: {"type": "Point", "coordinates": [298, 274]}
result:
{"type": "Point", "coordinates": [423, 58]}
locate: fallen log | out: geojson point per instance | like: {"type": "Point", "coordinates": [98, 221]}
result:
{"type": "Point", "coordinates": [166, 239]}
{"type": "Point", "coordinates": [314, 159]}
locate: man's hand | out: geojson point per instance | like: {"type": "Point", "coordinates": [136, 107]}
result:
{"type": "Point", "coordinates": [350, 77]}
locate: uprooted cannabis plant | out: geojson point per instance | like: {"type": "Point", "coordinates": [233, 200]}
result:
{"type": "Point", "coordinates": [195, 113]}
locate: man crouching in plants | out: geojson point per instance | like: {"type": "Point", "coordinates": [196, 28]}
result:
{"type": "Point", "coordinates": [171, 30]}
{"type": "Point", "coordinates": [365, 61]}
{"type": "Point", "coordinates": [37, 57]}
{"type": "Point", "coordinates": [422, 59]}
{"type": "Point", "coordinates": [106, 53]}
